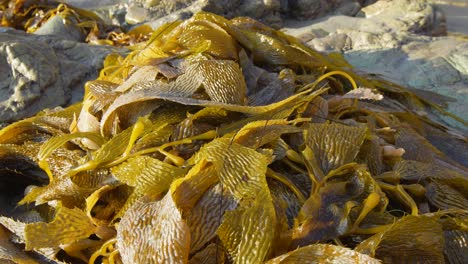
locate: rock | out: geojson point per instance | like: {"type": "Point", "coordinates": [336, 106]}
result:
{"type": "Point", "coordinates": [399, 40]}
{"type": "Point", "coordinates": [56, 26]}
{"type": "Point", "coordinates": [438, 65]}
{"type": "Point", "coordinates": [456, 12]}
{"type": "Point", "coordinates": [310, 9]}
{"type": "Point", "coordinates": [416, 16]}
{"type": "Point", "coordinates": [270, 12]}
{"type": "Point", "coordinates": [38, 72]}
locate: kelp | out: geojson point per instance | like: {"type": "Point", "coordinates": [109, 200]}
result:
{"type": "Point", "coordinates": [31, 15]}
{"type": "Point", "coordinates": [225, 141]}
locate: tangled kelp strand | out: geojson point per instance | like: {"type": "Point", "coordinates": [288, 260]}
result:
{"type": "Point", "coordinates": [225, 141]}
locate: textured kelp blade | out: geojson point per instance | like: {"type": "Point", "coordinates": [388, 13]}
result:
{"type": "Point", "coordinates": [148, 175]}
{"type": "Point", "coordinates": [63, 189]}
{"type": "Point", "coordinates": [71, 191]}
{"type": "Point", "coordinates": [456, 246]}
{"type": "Point", "coordinates": [154, 93]}
{"type": "Point", "coordinates": [420, 149]}
{"type": "Point", "coordinates": [99, 94]}
{"type": "Point", "coordinates": [195, 33]}
{"type": "Point", "coordinates": [211, 254]}
{"type": "Point", "coordinates": [443, 196]}
{"type": "Point", "coordinates": [68, 226]}
{"type": "Point", "coordinates": [271, 50]}
{"type": "Point", "coordinates": [205, 217]}
{"type": "Point", "coordinates": [251, 225]}
{"type": "Point", "coordinates": [142, 74]}
{"type": "Point", "coordinates": [412, 238]}
{"type": "Point", "coordinates": [188, 190]}
{"type": "Point", "coordinates": [242, 172]}
{"type": "Point", "coordinates": [259, 133]}
{"type": "Point", "coordinates": [153, 232]}
{"type": "Point", "coordinates": [411, 170]}
{"type": "Point", "coordinates": [46, 123]}
{"type": "Point", "coordinates": [333, 145]}
{"type": "Point", "coordinates": [223, 81]}
{"type": "Point", "coordinates": [286, 203]}
{"type": "Point", "coordinates": [323, 253]}
{"type": "Point", "coordinates": [58, 141]}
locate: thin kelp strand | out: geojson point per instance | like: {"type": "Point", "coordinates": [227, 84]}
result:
{"type": "Point", "coordinates": [369, 204]}
{"type": "Point", "coordinates": [402, 195]}
{"type": "Point", "coordinates": [326, 75]}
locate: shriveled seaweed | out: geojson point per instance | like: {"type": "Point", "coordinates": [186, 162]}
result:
{"type": "Point", "coordinates": [225, 141]}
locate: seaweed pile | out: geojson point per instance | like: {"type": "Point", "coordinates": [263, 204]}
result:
{"type": "Point", "coordinates": [225, 141]}
{"type": "Point", "coordinates": [31, 15]}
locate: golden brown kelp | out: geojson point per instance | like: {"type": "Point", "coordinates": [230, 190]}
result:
{"type": "Point", "coordinates": [224, 141]}
{"type": "Point", "coordinates": [31, 15]}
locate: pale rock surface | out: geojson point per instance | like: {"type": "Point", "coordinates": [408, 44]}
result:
{"type": "Point", "coordinates": [38, 72]}
{"type": "Point", "coordinates": [401, 40]}
{"type": "Point", "coordinates": [271, 12]}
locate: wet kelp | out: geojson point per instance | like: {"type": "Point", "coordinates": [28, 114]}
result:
{"type": "Point", "coordinates": [228, 142]}
{"type": "Point", "coordinates": [32, 15]}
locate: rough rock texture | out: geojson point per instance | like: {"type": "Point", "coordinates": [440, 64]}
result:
{"type": "Point", "coordinates": [401, 40]}
{"type": "Point", "coordinates": [271, 12]}
{"type": "Point", "coordinates": [38, 72]}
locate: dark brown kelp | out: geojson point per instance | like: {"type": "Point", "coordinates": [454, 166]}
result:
{"type": "Point", "coordinates": [224, 141]}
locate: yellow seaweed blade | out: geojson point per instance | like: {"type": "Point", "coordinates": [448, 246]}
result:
{"type": "Point", "coordinates": [58, 141]}
{"type": "Point", "coordinates": [223, 81]}
{"type": "Point", "coordinates": [147, 175]}
{"type": "Point", "coordinates": [323, 253]}
{"type": "Point", "coordinates": [196, 32]}
{"type": "Point", "coordinates": [206, 216]}
{"type": "Point", "coordinates": [251, 226]}
{"type": "Point", "coordinates": [333, 145]}
{"type": "Point", "coordinates": [242, 171]}
{"type": "Point", "coordinates": [209, 255]}
{"type": "Point", "coordinates": [68, 226]}
{"type": "Point", "coordinates": [188, 190]}
{"type": "Point", "coordinates": [258, 133]}
{"type": "Point", "coordinates": [411, 238]}
{"type": "Point", "coordinates": [153, 232]}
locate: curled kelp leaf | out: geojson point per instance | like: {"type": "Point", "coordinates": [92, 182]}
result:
{"type": "Point", "coordinates": [396, 243]}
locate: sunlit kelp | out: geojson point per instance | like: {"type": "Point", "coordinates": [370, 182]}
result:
{"type": "Point", "coordinates": [32, 15]}
{"type": "Point", "coordinates": [226, 141]}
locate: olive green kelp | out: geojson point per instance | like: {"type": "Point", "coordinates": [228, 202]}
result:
{"type": "Point", "coordinates": [225, 141]}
